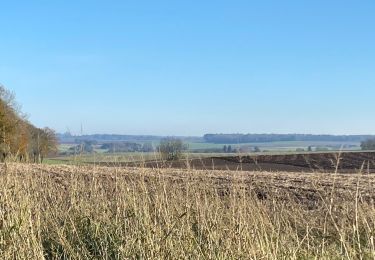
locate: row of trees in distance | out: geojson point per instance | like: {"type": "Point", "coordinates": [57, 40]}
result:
{"type": "Point", "coordinates": [263, 138]}
{"type": "Point", "coordinates": [368, 144]}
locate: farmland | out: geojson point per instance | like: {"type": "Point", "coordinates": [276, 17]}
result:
{"type": "Point", "coordinates": [196, 150]}
{"type": "Point", "coordinates": [187, 130]}
{"type": "Point", "coordinates": [86, 212]}
{"type": "Point", "coordinates": [345, 161]}
{"type": "Point", "coordinates": [279, 146]}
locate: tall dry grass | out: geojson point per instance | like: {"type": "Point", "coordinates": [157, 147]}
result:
{"type": "Point", "coordinates": [66, 212]}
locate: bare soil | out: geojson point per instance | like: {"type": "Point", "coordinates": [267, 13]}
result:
{"type": "Point", "coordinates": [345, 162]}
{"type": "Point", "coordinates": [306, 189]}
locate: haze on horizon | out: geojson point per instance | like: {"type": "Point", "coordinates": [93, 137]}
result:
{"type": "Point", "coordinates": [190, 68]}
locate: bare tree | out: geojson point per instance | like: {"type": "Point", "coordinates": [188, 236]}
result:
{"type": "Point", "coordinates": [171, 148]}
{"type": "Point", "coordinates": [43, 143]}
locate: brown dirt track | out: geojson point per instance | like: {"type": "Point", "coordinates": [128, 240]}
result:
{"type": "Point", "coordinates": [346, 162]}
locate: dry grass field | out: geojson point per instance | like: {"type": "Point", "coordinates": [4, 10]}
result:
{"type": "Point", "coordinates": [89, 212]}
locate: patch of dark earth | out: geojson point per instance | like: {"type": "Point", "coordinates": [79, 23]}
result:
{"type": "Point", "coordinates": [345, 162]}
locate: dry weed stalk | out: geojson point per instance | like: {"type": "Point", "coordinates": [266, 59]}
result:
{"type": "Point", "coordinates": [85, 212]}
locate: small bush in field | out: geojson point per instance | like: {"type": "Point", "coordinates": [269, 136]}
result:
{"type": "Point", "coordinates": [171, 148]}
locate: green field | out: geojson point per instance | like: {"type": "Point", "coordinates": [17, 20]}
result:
{"type": "Point", "coordinates": [269, 146]}
{"type": "Point", "coordinates": [195, 151]}
{"type": "Point", "coordinates": [280, 146]}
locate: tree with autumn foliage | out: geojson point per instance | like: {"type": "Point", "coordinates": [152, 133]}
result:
{"type": "Point", "coordinates": [20, 140]}
{"type": "Point", "coordinates": [44, 143]}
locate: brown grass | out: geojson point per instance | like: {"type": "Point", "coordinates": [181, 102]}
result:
{"type": "Point", "coordinates": [87, 212]}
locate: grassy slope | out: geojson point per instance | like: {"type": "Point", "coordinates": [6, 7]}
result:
{"type": "Point", "coordinates": [117, 213]}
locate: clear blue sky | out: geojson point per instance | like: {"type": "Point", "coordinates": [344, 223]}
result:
{"type": "Point", "coordinates": [192, 67]}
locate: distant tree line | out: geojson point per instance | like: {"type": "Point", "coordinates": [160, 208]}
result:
{"type": "Point", "coordinates": [241, 149]}
{"type": "Point", "coordinates": [119, 147]}
{"type": "Point", "coordinates": [19, 139]}
{"type": "Point", "coordinates": [84, 146]}
{"type": "Point", "coordinates": [88, 146]}
{"type": "Point", "coordinates": [263, 138]}
{"type": "Point", "coordinates": [227, 149]}
{"type": "Point", "coordinates": [113, 138]}
{"type": "Point", "coordinates": [368, 144]}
